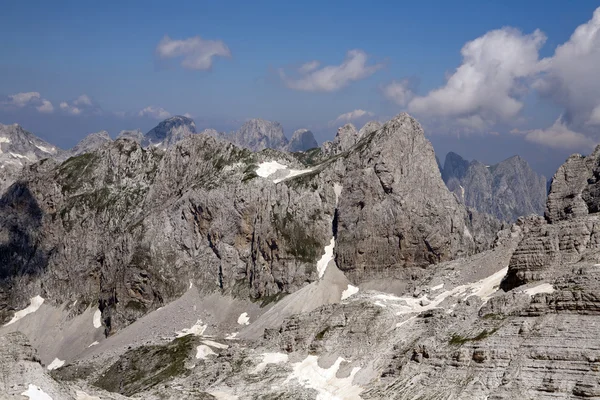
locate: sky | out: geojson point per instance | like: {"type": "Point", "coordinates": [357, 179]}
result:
{"type": "Point", "coordinates": [486, 79]}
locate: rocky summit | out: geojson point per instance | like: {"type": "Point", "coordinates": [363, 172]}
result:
{"type": "Point", "coordinates": [188, 267]}
{"type": "Point", "coordinates": [506, 190]}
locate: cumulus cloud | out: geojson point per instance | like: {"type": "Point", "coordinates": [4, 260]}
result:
{"type": "Point", "coordinates": [45, 107]}
{"type": "Point", "coordinates": [70, 109]}
{"type": "Point", "coordinates": [154, 112]}
{"type": "Point", "coordinates": [311, 78]}
{"type": "Point", "coordinates": [570, 76]}
{"type": "Point", "coordinates": [29, 99]}
{"type": "Point", "coordinates": [351, 116]}
{"type": "Point", "coordinates": [558, 136]}
{"type": "Point", "coordinates": [399, 92]}
{"type": "Point", "coordinates": [195, 53]}
{"type": "Point", "coordinates": [487, 87]}
{"type": "Point", "coordinates": [83, 100]}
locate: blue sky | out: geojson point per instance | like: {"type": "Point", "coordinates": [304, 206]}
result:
{"type": "Point", "coordinates": [127, 56]}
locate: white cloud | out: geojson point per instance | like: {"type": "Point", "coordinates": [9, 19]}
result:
{"type": "Point", "coordinates": [196, 53]}
{"type": "Point", "coordinates": [83, 100]}
{"type": "Point", "coordinates": [66, 107]}
{"type": "Point", "coordinates": [571, 75]}
{"type": "Point", "coordinates": [351, 116]}
{"type": "Point", "coordinates": [23, 99]}
{"type": "Point", "coordinates": [558, 136]}
{"type": "Point", "coordinates": [399, 92]}
{"type": "Point", "coordinates": [29, 99]}
{"type": "Point", "coordinates": [188, 115]}
{"type": "Point", "coordinates": [154, 112]}
{"type": "Point", "coordinates": [45, 107]}
{"type": "Point", "coordinates": [331, 77]}
{"type": "Point", "coordinates": [487, 86]}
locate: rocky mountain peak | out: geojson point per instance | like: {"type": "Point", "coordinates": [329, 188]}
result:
{"type": "Point", "coordinates": [369, 127]}
{"type": "Point", "coordinates": [507, 190]}
{"type": "Point", "coordinates": [90, 143]}
{"type": "Point", "coordinates": [302, 140]}
{"type": "Point", "coordinates": [258, 134]}
{"type": "Point", "coordinates": [170, 131]}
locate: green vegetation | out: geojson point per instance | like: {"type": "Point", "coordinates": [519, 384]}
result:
{"type": "Point", "coordinates": [146, 366]}
{"type": "Point", "coordinates": [73, 173]}
{"type": "Point", "coordinates": [460, 340]}
{"type": "Point", "coordinates": [301, 244]}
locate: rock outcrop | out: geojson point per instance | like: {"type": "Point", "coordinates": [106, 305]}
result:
{"type": "Point", "coordinates": [507, 190]}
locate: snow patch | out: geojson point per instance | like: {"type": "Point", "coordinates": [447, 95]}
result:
{"type": "Point", "coordinates": [97, 318]}
{"type": "Point", "coordinates": [49, 150]}
{"type": "Point", "coordinates": [84, 396]}
{"type": "Point", "coordinates": [437, 287]}
{"type": "Point", "coordinates": [467, 233]}
{"type": "Point", "coordinates": [191, 284]}
{"type": "Point", "coordinates": [203, 351]}
{"type": "Point", "coordinates": [4, 139]}
{"type": "Point", "coordinates": [35, 303]}
{"type": "Point", "coordinates": [399, 324]}
{"type": "Point", "coordinates": [219, 395]}
{"type": "Point", "coordinates": [243, 319]}
{"type": "Point", "coordinates": [216, 345]}
{"type": "Point", "coordinates": [270, 358]}
{"type": "Point", "coordinates": [16, 155]}
{"type": "Point", "coordinates": [35, 393]}
{"type": "Point", "coordinates": [93, 344]}
{"type": "Point", "coordinates": [324, 260]}
{"type": "Point", "coordinates": [232, 336]}
{"type": "Point", "coordinates": [462, 192]}
{"type": "Point", "coordinates": [56, 363]}
{"type": "Point", "coordinates": [197, 329]}
{"type": "Point", "coordinates": [483, 289]}
{"type": "Point", "coordinates": [543, 288]}
{"type": "Point", "coordinates": [324, 381]}
{"type": "Point", "coordinates": [337, 189]}
{"type": "Point", "coordinates": [350, 291]}
{"type": "Point", "coordinates": [268, 168]}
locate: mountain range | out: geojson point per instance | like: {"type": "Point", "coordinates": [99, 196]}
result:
{"type": "Point", "coordinates": [202, 269]}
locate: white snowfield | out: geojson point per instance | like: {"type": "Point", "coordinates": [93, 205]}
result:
{"type": "Point", "coordinates": [197, 329]}
{"type": "Point", "coordinates": [203, 351]}
{"type": "Point", "coordinates": [50, 150]}
{"type": "Point", "coordinates": [35, 393]}
{"type": "Point", "coordinates": [268, 168]}
{"type": "Point", "coordinates": [270, 358]}
{"type": "Point", "coordinates": [216, 345]}
{"type": "Point", "coordinates": [324, 381]}
{"type": "Point", "coordinates": [243, 319]}
{"type": "Point", "coordinates": [84, 396]}
{"type": "Point", "coordinates": [350, 291]}
{"type": "Point", "coordinates": [97, 318]}
{"type": "Point", "coordinates": [325, 258]}
{"type": "Point", "coordinates": [93, 344]}
{"type": "Point", "coordinates": [543, 288]}
{"type": "Point", "coordinates": [33, 306]}
{"type": "Point", "coordinates": [483, 289]}
{"type": "Point", "coordinates": [56, 363]}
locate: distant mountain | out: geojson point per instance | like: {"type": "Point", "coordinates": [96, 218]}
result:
{"type": "Point", "coordinates": [507, 190]}
{"type": "Point", "coordinates": [302, 140]}
{"type": "Point", "coordinates": [259, 134]}
{"type": "Point", "coordinates": [169, 132]}
{"type": "Point", "coordinates": [91, 142]}
{"type": "Point", "coordinates": [19, 148]}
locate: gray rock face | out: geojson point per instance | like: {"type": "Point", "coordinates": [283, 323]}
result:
{"type": "Point", "coordinates": [135, 135]}
{"type": "Point", "coordinates": [169, 132]}
{"type": "Point", "coordinates": [258, 134]}
{"type": "Point", "coordinates": [568, 234]}
{"type": "Point", "coordinates": [507, 190]}
{"type": "Point", "coordinates": [128, 228]}
{"type": "Point", "coordinates": [90, 143]}
{"type": "Point", "coordinates": [19, 148]}
{"type": "Point", "coordinates": [302, 140]}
